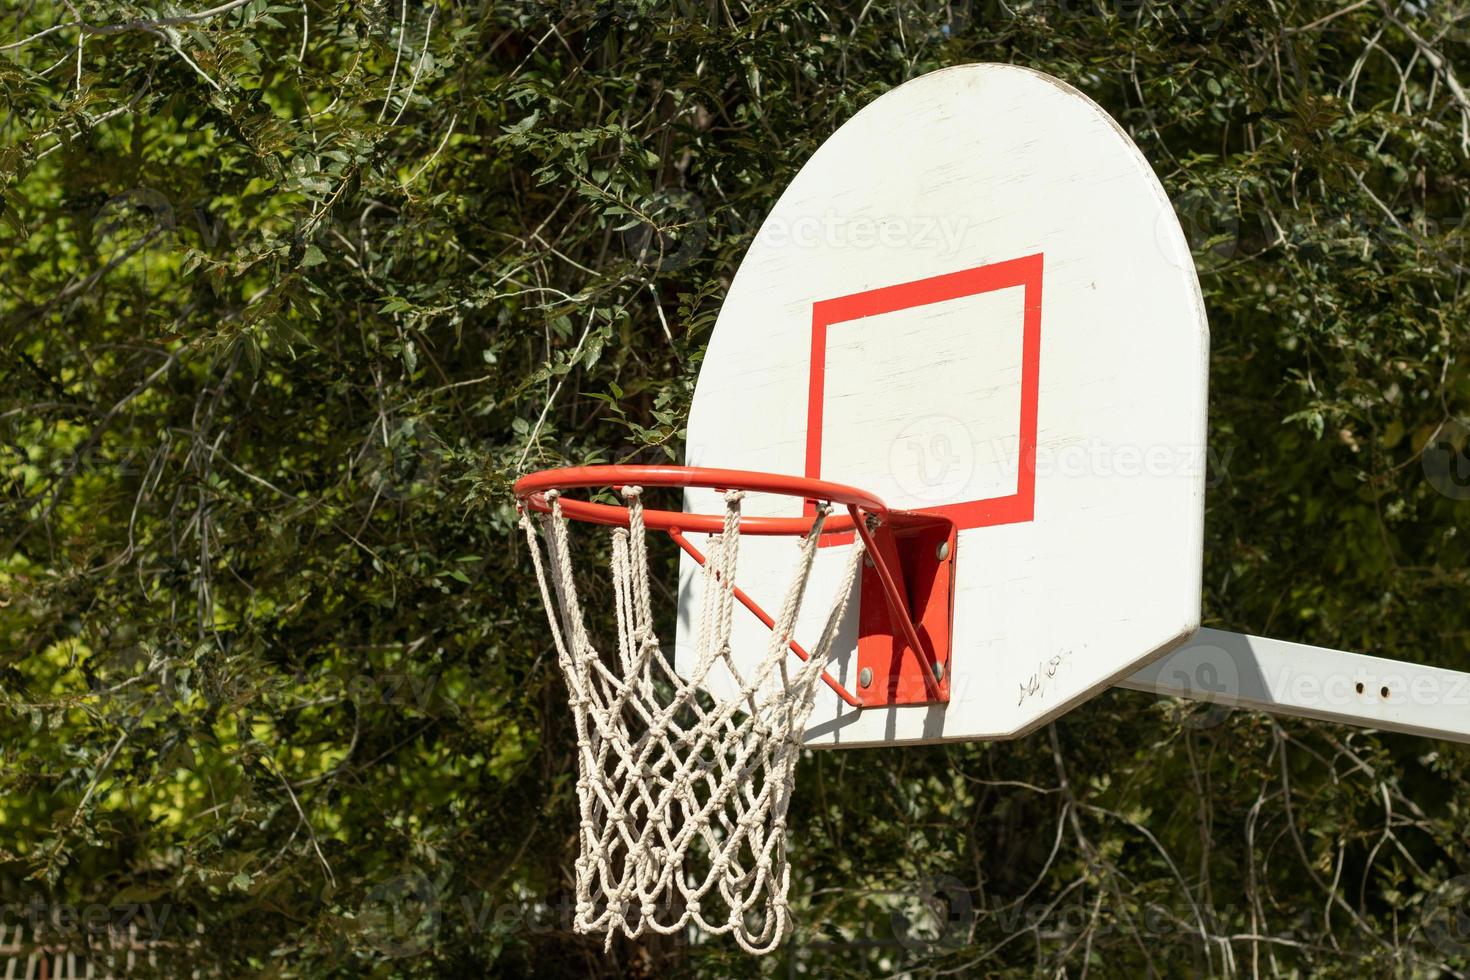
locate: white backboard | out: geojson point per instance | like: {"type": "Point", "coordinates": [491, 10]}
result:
{"type": "Point", "coordinates": [975, 297]}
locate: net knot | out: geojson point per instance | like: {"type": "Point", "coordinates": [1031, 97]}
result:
{"type": "Point", "coordinates": [632, 492]}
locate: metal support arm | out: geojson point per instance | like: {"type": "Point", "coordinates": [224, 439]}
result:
{"type": "Point", "coordinates": [1313, 682]}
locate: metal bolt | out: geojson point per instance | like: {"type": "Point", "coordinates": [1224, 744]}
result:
{"type": "Point", "coordinates": [942, 552]}
{"type": "Point", "coordinates": [865, 677]}
{"type": "Point", "coordinates": [938, 671]}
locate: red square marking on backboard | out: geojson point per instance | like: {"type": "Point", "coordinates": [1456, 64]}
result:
{"type": "Point", "coordinates": [1026, 272]}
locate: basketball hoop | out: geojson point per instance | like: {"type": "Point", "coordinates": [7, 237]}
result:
{"type": "Point", "coordinates": [684, 794]}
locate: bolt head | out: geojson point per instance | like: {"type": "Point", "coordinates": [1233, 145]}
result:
{"type": "Point", "coordinates": [942, 552]}
{"type": "Point", "coordinates": [938, 671]}
{"type": "Point", "coordinates": [865, 677]}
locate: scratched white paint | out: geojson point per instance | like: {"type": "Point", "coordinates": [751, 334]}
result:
{"type": "Point", "coordinates": [997, 162]}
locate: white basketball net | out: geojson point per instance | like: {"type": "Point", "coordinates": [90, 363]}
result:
{"type": "Point", "coordinates": [683, 794]}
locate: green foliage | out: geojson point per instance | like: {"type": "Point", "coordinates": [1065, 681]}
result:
{"type": "Point", "coordinates": [291, 294]}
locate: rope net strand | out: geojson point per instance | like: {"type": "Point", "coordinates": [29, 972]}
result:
{"type": "Point", "coordinates": [683, 794]}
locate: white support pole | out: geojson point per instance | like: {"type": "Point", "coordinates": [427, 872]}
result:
{"type": "Point", "coordinates": [1313, 682]}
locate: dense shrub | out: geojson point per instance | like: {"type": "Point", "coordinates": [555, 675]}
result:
{"type": "Point", "coordinates": [291, 293]}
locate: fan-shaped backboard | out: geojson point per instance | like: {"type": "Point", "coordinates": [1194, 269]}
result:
{"type": "Point", "coordinates": [975, 298]}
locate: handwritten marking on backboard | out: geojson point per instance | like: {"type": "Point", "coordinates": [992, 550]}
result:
{"type": "Point", "coordinates": [1044, 677]}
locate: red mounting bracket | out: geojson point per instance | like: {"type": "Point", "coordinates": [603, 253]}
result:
{"type": "Point", "coordinates": [907, 610]}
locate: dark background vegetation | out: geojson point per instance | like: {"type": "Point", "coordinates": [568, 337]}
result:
{"type": "Point", "coordinates": [291, 292]}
